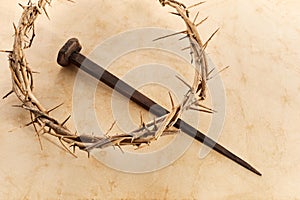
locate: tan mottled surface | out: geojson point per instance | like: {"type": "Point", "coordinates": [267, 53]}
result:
{"type": "Point", "coordinates": [258, 39]}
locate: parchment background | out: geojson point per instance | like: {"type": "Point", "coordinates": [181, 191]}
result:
{"type": "Point", "coordinates": [258, 39]}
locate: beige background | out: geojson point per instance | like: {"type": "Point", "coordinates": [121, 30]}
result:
{"type": "Point", "coordinates": [259, 41]}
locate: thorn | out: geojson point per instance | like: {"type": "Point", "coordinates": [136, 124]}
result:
{"type": "Point", "coordinates": [183, 81]}
{"type": "Point", "coordinates": [192, 57]}
{"type": "Point", "coordinates": [172, 101]}
{"type": "Point", "coordinates": [132, 139]}
{"type": "Point", "coordinates": [52, 109]}
{"type": "Point", "coordinates": [66, 120]}
{"type": "Point", "coordinates": [201, 110]}
{"type": "Point", "coordinates": [74, 148]}
{"type": "Point", "coordinates": [111, 127]}
{"type": "Point", "coordinates": [197, 4]}
{"type": "Point", "coordinates": [174, 13]}
{"type": "Point", "coordinates": [186, 48]}
{"type": "Point", "coordinates": [66, 148]}
{"type": "Point", "coordinates": [141, 120]}
{"type": "Point", "coordinates": [32, 37]}
{"type": "Point", "coordinates": [28, 124]}
{"type": "Point", "coordinates": [39, 137]}
{"type": "Point", "coordinates": [22, 6]}
{"type": "Point", "coordinates": [210, 71]}
{"type": "Point", "coordinates": [15, 28]}
{"type": "Point", "coordinates": [17, 106]}
{"type": "Point", "coordinates": [187, 12]}
{"type": "Point", "coordinates": [48, 2]}
{"type": "Point", "coordinates": [46, 13]}
{"type": "Point", "coordinates": [9, 93]}
{"type": "Point", "coordinates": [6, 51]}
{"type": "Point", "coordinates": [218, 72]}
{"type": "Point", "coordinates": [120, 148]}
{"type": "Point", "coordinates": [26, 35]}
{"type": "Point", "coordinates": [39, 131]}
{"type": "Point", "coordinates": [184, 37]}
{"type": "Point", "coordinates": [33, 119]}
{"type": "Point", "coordinates": [212, 35]}
{"type": "Point", "coordinates": [173, 34]}
{"type": "Point", "coordinates": [203, 20]}
{"type": "Point", "coordinates": [200, 105]}
{"type": "Point", "coordinates": [196, 17]}
{"type": "Point", "coordinates": [206, 43]}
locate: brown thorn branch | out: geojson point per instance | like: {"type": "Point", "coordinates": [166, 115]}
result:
{"type": "Point", "coordinates": [166, 36]}
{"type": "Point", "coordinates": [202, 21]}
{"type": "Point", "coordinates": [44, 123]}
{"type": "Point", "coordinates": [194, 21]}
{"type": "Point", "coordinates": [197, 4]}
{"type": "Point", "coordinates": [9, 93]}
{"type": "Point", "coordinates": [225, 68]}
